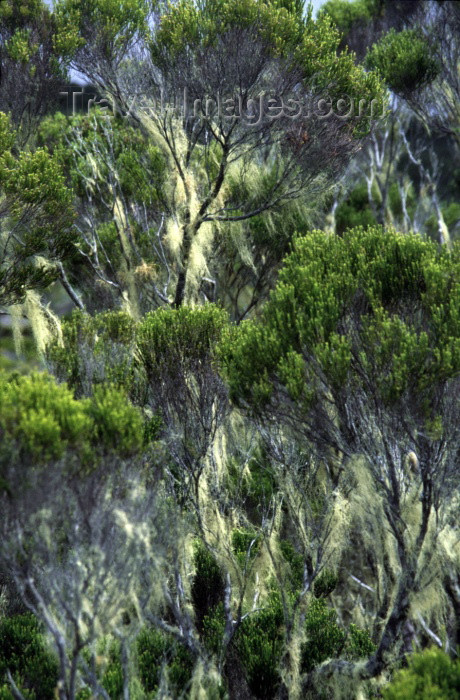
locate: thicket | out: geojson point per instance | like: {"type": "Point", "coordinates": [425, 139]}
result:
{"type": "Point", "coordinates": [231, 471]}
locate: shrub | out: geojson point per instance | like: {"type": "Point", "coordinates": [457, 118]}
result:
{"type": "Point", "coordinates": [24, 652]}
{"type": "Point", "coordinates": [404, 59]}
{"type": "Point", "coordinates": [96, 349]}
{"type": "Point", "coordinates": [325, 583]}
{"type": "Point", "coordinates": [213, 628]}
{"type": "Point", "coordinates": [41, 421]}
{"type": "Point", "coordinates": [431, 675]}
{"type": "Point", "coordinates": [208, 584]}
{"type": "Point", "coordinates": [42, 416]}
{"type": "Point", "coordinates": [355, 210]}
{"type": "Point", "coordinates": [296, 562]}
{"type": "Point", "coordinates": [325, 638]}
{"type": "Point", "coordinates": [259, 642]}
{"type": "Point", "coordinates": [359, 643]}
{"type": "Point", "coordinates": [156, 653]}
{"type": "Point", "coordinates": [118, 424]}
{"type": "Point", "coordinates": [245, 544]}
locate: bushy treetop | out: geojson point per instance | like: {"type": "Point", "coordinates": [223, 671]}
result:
{"type": "Point", "coordinates": [386, 300]}
{"type": "Point", "coordinates": [41, 420]}
{"type": "Point", "coordinates": [431, 675]}
{"type": "Point", "coordinates": [404, 59]}
{"type": "Point", "coordinates": [36, 210]}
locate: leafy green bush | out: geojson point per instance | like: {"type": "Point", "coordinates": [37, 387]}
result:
{"type": "Point", "coordinates": [359, 643]}
{"type": "Point", "coordinates": [158, 653]}
{"type": "Point", "coordinates": [112, 677]}
{"type": "Point", "coordinates": [325, 638]}
{"type": "Point", "coordinates": [208, 584]}
{"type": "Point", "coordinates": [117, 424]}
{"type": "Point", "coordinates": [245, 544]}
{"type": "Point", "coordinates": [169, 340]}
{"type": "Point", "coordinates": [109, 670]}
{"type": "Point", "coordinates": [176, 349]}
{"type": "Point", "coordinates": [431, 675]}
{"type": "Point", "coordinates": [42, 416]}
{"type": "Point", "coordinates": [325, 281]}
{"type": "Point", "coordinates": [355, 211]}
{"type": "Point", "coordinates": [96, 349]}
{"type": "Point", "coordinates": [296, 562]}
{"type": "Point", "coordinates": [41, 421]}
{"type": "Point", "coordinates": [259, 642]}
{"type": "Point", "coordinates": [25, 653]}
{"type": "Point", "coordinates": [325, 583]}
{"type": "Point", "coordinates": [37, 206]}
{"type": "Point", "coordinates": [345, 14]}
{"type": "Point", "coordinates": [404, 59]}
{"type": "Point", "coordinates": [255, 485]}
{"type": "Point", "coordinates": [213, 629]}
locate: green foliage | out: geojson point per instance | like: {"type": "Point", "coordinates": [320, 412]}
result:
{"type": "Point", "coordinates": [404, 59]}
{"type": "Point", "coordinates": [42, 416]}
{"type": "Point", "coordinates": [164, 364]}
{"type": "Point", "coordinates": [42, 421]}
{"type": "Point", "coordinates": [176, 350]}
{"type": "Point", "coordinates": [25, 653]}
{"type": "Point", "coordinates": [261, 483]}
{"type": "Point", "coordinates": [108, 669]}
{"type": "Point", "coordinates": [118, 425]}
{"type": "Point", "coordinates": [259, 642]}
{"type": "Point", "coordinates": [346, 14]}
{"type": "Point", "coordinates": [37, 207]}
{"type": "Point", "coordinates": [157, 654]}
{"type": "Point", "coordinates": [6, 134]}
{"type": "Point", "coordinates": [31, 69]}
{"type": "Point", "coordinates": [308, 45]}
{"type": "Point", "coordinates": [406, 290]}
{"type": "Point", "coordinates": [94, 149]}
{"type": "Point", "coordinates": [259, 639]}
{"type": "Point", "coordinates": [213, 628]}
{"type": "Point", "coordinates": [19, 13]}
{"type": "Point", "coordinates": [112, 25]}
{"type": "Point", "coordinates": [245, 544]}
{"type": "Point", "coordinates": [188, 25]}
{"type": "Point", "coordinates": [359, 644]}
{"type": "Point", "coordinates": [395, 203]}
{"type": "Point", "coordinates": [325, 583]}
{"type": "Point", "coordinates": [113, 680]}
{"type": "Point", "coordinates": [118, 172]}
{"type": "Point", "coordinates": [255, 485]}
{"type": "Point", "coordinates": [208, 583]}
{"type": "Point", "coordinates": [451, 215]}
{"type": "Point", "coordinates": [296, 562]}
{"type": "Point", "coordinates": [97, 349]}
{"type": "Point", "coordinates": [325, 638]}
{"type": "Point", "coordinates": [169, 340]}
{"type": "Point", "coordinates": [355, 211]}
{"type": "Point", "coordinates": [18, 47]}
{"type": "Point", "coordinates": [102, 174]}
{"type": "Point", "coordinates": [338, 73]}
{"type": "Point", "coordinates": [431, 675]}
{"type": "Point", "coordinates": [366, 315]}
{"type": "Point", "coordinates": [112, 673]}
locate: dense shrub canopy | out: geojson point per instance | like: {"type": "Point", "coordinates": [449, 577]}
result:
{"type": "Point", "coordinates": [229, 350]}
